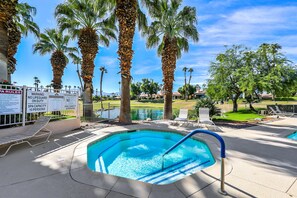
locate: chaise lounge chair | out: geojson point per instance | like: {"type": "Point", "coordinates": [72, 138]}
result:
{"type": "Point", "coordinates": [205, 119]}
{"type": "Point", "coordinates": [275, 112]}
{"type": "Point", "coordinates": [182, 118]}
{"type": "Point", "coordinates": [285, 113]}
{"type": "Point", "coordinates": [204, 116]}
{"type": "Point", "coordinates": [183, 115]}
{"type": "Point", "coordinates": [38, 127]}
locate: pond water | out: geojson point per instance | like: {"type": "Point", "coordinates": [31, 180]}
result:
{"type": "Point", "coordinates": [136, 114]}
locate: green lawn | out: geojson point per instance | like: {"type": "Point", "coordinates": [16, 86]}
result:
{"type": "Point", "coordinates": [241, 115]}
{"type": "Point", "coordinates": [244, 113]}
{"type": "Point", "coordinates": [177, 104]}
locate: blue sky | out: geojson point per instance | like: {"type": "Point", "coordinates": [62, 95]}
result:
{"type": "Point", "coordinates": [220, 23]}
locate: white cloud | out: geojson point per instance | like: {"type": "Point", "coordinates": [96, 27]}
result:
{"type": "Point", "coordinates": [141, 70]}
{"type": "Point", "coordinates": [249, 25]}
{"type": "Point", "coordinates": [108, 61]}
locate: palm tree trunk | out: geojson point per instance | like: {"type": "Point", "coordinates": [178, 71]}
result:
{"type": "Point", "coordinates": [126, 12]}
{"type": "Point", "coordinates": [3, 52]}
{"type": "Point", "coordinates": [14, 39]}
{"type": "Point", "coordinates": [59, 62]}
{"type": "Point", "coordinates": [167, 106]}
{"type": "Point", "coordinates": [168, 66]}
{"type": "Point", "coordinates": [88, 44]}
{"type": "Point", "coordinates": [186, 93]}
{"type": "Point", "coordinates": [79, 77]}
{"type": "Point", "coordinates": [125, 108]}
{"type": "Point", "coordinates": [190, 78]}
{"type": "Point", "coordinates": [101, 79]}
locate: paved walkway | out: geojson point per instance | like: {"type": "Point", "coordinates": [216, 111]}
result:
{"type": "Point", "coordinates": [260, 163]}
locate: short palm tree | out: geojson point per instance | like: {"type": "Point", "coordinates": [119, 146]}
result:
{"type": "Point", "coordinates": [54, 42]}
{"type": "Point", "coordinates": [170, 30]}
{"type": "Point", "coordinates": [87, 20]}
{"type": "Point", "coordinates": [128, 13]}
{"type": "Point", "coordinates": [103, 70]}
{"type": "Point", "coordinates": [22, 23]}
{"type": "Point", "coordinates": [7, 11]}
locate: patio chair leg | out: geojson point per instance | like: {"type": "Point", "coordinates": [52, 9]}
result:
{"type": "Point", "coordinates": [16, 143]}
{"type": "Point", "coordinates": [47, 138]}
{"type": "Point", "coordinates": [26, 141]}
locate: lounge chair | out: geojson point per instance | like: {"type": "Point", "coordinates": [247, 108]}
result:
{"type": "Point", "coordinates": [205, 119]}
{"type": "Point", "coordinates": [204, 116]}
{"type": "Point", "coordinates": [275, 112]}
{"type": "Point", "coordinates": [182, 118]}
{"type": "Point", "coordinates": [183, 115]}
{"type": "Point", "coordinates": [38, 127]}
{"type": "Point", "coordinates": [285, 113]}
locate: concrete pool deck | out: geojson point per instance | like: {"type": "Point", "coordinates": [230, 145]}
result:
{"type": "Point", "coordinates": [260, 163]}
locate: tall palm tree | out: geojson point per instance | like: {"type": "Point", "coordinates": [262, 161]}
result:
{"type": "Point", "coordinates": [185, 69]}
{"type": "Point", "coordinates": [36, 82]}
{"type": "Point", "coordinates": [87, 20]}
{"type": "Point", "coordinates": [7, 11]}
{"type": "Point", "coordinates": [54, 42]}
{"type": "Point", "coordinates": [77, 61]}
{"type": "Point", "coordinates": [170, 30]}
{"type": "Point", "coordinates": [22, 23]}
{"type": "Point", "coordinates": [103, 70]}
{"type": "Point", "coordinates": [190, 70]}
{"type": "Point", "coordinates": [128, 13]}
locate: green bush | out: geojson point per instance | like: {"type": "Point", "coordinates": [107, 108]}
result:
{"type": "Point", "coordinates": [206, 103]}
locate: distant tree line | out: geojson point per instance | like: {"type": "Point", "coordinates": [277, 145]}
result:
{"type": "Point", "coordinates": [147, 86]}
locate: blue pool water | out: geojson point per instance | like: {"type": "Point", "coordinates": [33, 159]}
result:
{"type": "Point", "coordinates": [293, 136]}
{"type": "Point", "coordinates": [138, 155]}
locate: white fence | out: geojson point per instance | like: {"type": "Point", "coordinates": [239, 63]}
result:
{"type": "Point", "coordinates": [21, 104]}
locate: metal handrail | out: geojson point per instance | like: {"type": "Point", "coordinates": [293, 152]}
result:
{"type": "Point", "coordinates": [223, 152]}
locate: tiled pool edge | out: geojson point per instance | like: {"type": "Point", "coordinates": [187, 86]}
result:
{"type": "Point", "coordinates": [82, 174]}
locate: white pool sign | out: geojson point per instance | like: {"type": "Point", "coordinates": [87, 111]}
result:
{"type": "Point", "coordinates": [10, 101]}
{"type": "Point", "coordinates": [70, 101]}
{"type": "Point", "coordinates": [56, 102]}
{"type": "Point", "coordinates": [37, 101]}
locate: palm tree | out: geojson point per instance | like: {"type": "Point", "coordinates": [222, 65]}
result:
{"type": "Point", "coordinates": [190, 70]}
{"type": "Point", "coordinates": [77, 61]}
{"type": "Point", "coordinates": [87, 20]}
{"type": "Point", "coordinates": [185, 69]}
{"type": "Point", "coordinates": [7, 11]}
{"type": "Point", "coordinates": [22, 23]}
{"type": "Point", "coordinates": [36, 82]}
{"type": "Point", "coordinates": [170, 31]}
{"type": "Point", "coordinates": [54, 42]}
{"type": "Point", "coordinates": [128, 13]}
{"type": "Point", "coordinates": [103, 70]}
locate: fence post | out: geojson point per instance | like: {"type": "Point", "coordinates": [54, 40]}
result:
{"type": "Point", "coordinates": [24, 105]}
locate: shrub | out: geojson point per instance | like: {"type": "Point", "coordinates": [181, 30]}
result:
{"type": "Point", "coordinates": [206, 103]}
